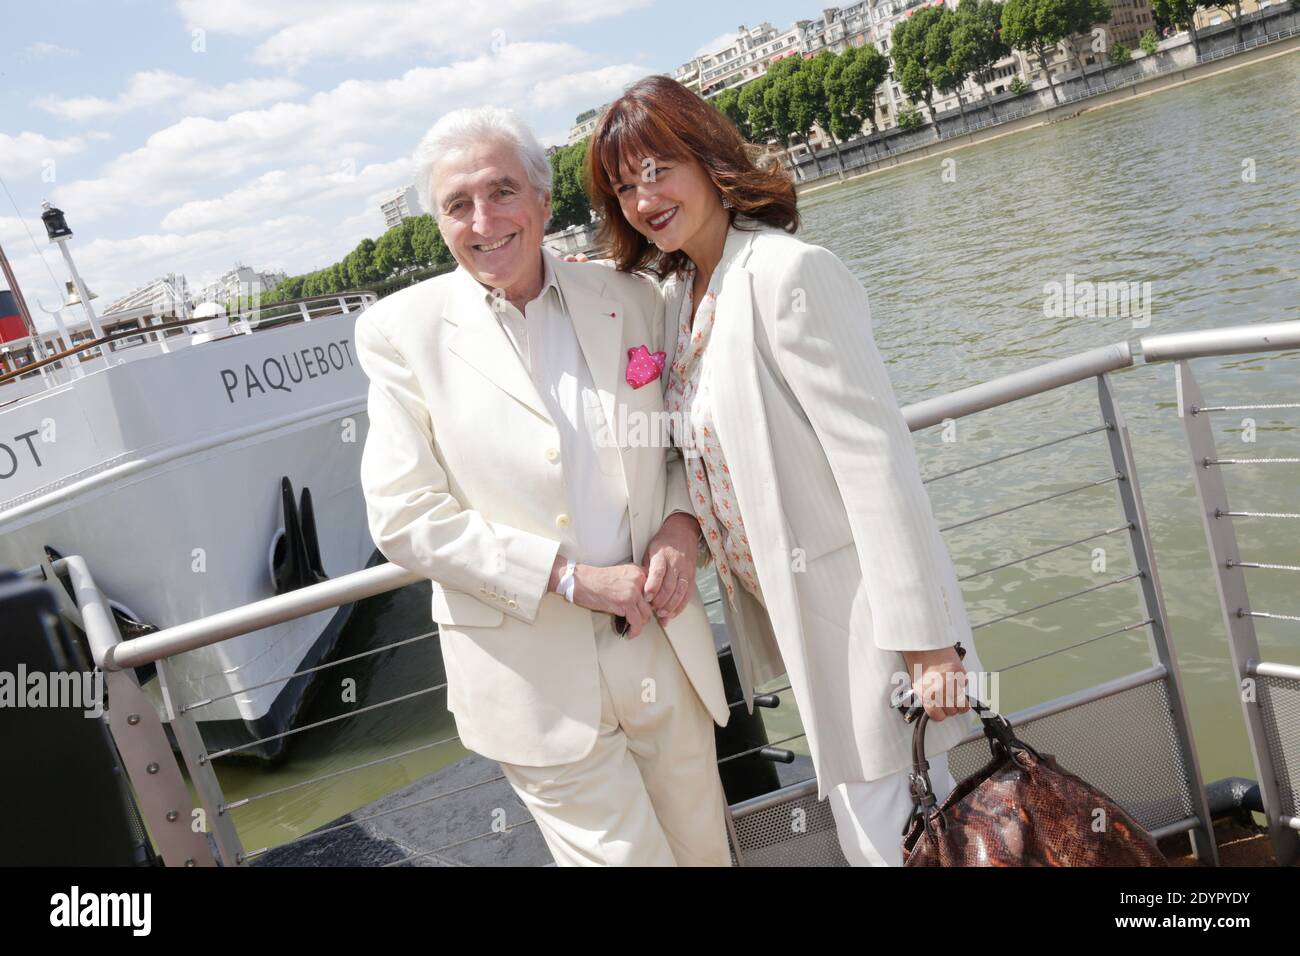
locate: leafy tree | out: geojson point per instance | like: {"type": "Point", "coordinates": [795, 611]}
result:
{"type": "Point", "coordinates": [977, 42]}
{"type": "Point", "coordinates": [912, 62]}
{"type": "Point", "coordinates": [728, 104]}
{"type": "Point", "coordinates": [569, 203]}
{"type": "Point", "coordinates": [789, 103]}
{"type": "Point", "coordinates": [1149, 43]}
{"type": "Point", "coordinates": [1119, 54]}
{"type": "Point", "coordinates": [427, 245]}
{"type": "Point", "coordinates": [1017, 86]}
{"type": "Point", "coordinates": [909, 117]}
{"type": "Point", "coordinates": [1174, 13]}
{"type": "Point", "coordinates": [1035, 26]}
{"type": "Point", "coordinates": [946, 64]}
{"type": "Point", "coordinates": [752, 101]}
{"type": "Point", "coordinates": [358, 267]}
{"type": "Point", "coordinates": [812, 103]}
{"type": "Point", "coordinates": [1080, 16]}
{"type": "Point", "coordinates": [393, 252]}
{"type": "Point", "coordinates": [851, 85]}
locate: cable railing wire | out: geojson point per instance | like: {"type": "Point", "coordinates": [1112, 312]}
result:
{"type": "Point", "coordinates": [1023, 451]}
{"type": "Point", "coordinates": [1039, 607]}
{"type": "Point", "coordinates": [310, 670]}
{"type": "Point", "coordinates": [1036, 501]}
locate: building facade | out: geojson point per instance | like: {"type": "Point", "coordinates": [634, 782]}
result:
{"type": "Point", "coordinates": [1214, 16]}
{"type": "Point", "coordinates": [585, 124]}
{"type": "Point", "coordinates": [240, 282]}
{"type": "Point", "coordinates": [403, 204]}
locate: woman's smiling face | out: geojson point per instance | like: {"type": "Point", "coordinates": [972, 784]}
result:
{"type": "Point", "coordinates": [667, 200]}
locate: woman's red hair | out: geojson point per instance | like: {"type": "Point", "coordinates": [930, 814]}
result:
{"type": "Point", "coordinates": [660, 118]}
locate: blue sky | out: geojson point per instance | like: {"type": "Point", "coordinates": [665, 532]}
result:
{"type": "Point", "coordinates": [182, 136]}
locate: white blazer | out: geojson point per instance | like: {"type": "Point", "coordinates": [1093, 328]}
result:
{"type": "Point", "coordinates": [820, 458]}
{"type": "Point", "coordinates": [462, 484]}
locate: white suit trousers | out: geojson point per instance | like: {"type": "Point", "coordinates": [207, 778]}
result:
{"type": "Point", "coordinates": [869, 815]}
{"type": "Point", "coordinates": [648, 793]}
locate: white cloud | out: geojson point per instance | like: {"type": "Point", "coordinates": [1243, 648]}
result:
{"type": "Point", "coordinates": [153, 88]}
{"type": "Point", "coordinates": [720, 42]}
{"type": "Point", "coordinates": [27, 153]}
{"type": "Point", "coordinates": [589, 87]}
{"type": "Point", "coordinates": [281, 190]}
{"type": "Point", "coordinates": [42, 48]}
{"type": "Point", "coordinates": [188, 158]}
{"type": "Point", "coordinates": [305, 30]}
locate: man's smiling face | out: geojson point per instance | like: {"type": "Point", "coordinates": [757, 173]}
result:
{"type": "Point", "coordinates": [491, 216]}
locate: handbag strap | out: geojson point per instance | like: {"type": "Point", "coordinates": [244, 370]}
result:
{"type": "Point", "coordinates": [1002, 741]}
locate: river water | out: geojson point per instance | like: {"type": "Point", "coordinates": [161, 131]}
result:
{"type": "Point", "coordinates": [1192, 196]}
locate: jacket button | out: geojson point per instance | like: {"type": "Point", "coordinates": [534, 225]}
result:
{"type": "Point", "coordinates": [561, 521]}
{"type": "Point", "coordinates": [552, 454]}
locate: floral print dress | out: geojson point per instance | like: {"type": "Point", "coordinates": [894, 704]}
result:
{"type": "Point", "coordinates": [693, 431]}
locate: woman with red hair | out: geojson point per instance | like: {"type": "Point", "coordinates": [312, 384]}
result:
{"type": "Point", "coordinates": [800, 464]}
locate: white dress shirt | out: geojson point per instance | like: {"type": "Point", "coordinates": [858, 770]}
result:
{"type": "Point", "coordinates": [600, 532]}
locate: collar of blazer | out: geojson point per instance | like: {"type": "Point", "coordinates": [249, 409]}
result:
{"type": "Point", "coordinates": [597, 322]}
{"type": "Point", "coordinates": [736, 249]}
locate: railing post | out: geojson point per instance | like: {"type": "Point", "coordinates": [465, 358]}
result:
{"type": "Point", "coordinates": [202, 775]}
{"type": "Point", "coordinates": [1159, 642]}
{"type": "Point", "coordinates": [138, 734]}
{"type": "Point", "coordinates": [159, 788]}
{"type": "Point", "coordinates": [306, 313]}
{"type": "Point", "coordinates": [1233, 601]}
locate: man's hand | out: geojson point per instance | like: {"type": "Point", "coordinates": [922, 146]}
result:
{"type": "Point", "coordinates": [617, 590]}
{"type": "Point", "coordinates": [670, 565]}
{"type": "Point", "coordinates": [941, 687]}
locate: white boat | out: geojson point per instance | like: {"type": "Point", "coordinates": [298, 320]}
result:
{"type": "Point", "coordinates": [199, 463]}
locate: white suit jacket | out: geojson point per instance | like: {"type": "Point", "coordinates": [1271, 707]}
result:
{"type": "Point", "coordinates": [463, 483]}
{"type": "Point", "coordinates": [820, 457]}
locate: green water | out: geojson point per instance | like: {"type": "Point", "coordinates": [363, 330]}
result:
{"type": "Point", "coordinates": [1150, 191]}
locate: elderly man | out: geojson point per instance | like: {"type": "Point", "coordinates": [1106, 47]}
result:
{"type": "Point", "coordinates": [492, 465]}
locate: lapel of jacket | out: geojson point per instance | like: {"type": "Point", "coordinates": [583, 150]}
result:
{"type": "Point", "coordinates": [598, 324]}
{"type": "Point", "coordinates": [480, 341]}
{"type": "Point", "coordinates": [742, 430]}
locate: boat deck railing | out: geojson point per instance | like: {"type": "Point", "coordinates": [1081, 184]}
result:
{"type": "Point", "coordinates": [154, 337]}
{"type": "Point", "coordinates": [1129, 735]}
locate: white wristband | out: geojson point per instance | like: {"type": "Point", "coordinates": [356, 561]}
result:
{"type": "Point", "coordinates": [565, 587]}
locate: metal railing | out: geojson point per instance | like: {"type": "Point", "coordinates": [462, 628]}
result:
{"type": "Point", "coordinates": [1152, 770]}
{"type": "Point", "coordinates": [1269, 691]}
{"type": "Point", "coordinates": [244, 322]}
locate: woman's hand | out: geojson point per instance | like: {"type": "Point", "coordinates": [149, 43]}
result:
{"type": "Point", "coordinates": [941, 684]}
{"type": "Point", "coordinates": [670, 565]}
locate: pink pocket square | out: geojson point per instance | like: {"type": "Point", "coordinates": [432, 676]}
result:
{"type": "Point", "coordinates": [643, 367]}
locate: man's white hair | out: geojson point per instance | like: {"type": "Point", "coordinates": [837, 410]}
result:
{"type": "Point", "coordinates": [472, 126]}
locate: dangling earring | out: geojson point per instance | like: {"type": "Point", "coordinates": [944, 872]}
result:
{"type": "Point", "coordinates": [726, 202]}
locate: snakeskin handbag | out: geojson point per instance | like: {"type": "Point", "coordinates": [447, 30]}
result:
{"type": "Point", "coordinates": [1021, 809]}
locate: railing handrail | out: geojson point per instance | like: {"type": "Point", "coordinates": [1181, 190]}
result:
{"type": "Point", "coordinates": [112, 654]}
{"type": "Point", "coordinates": [1017, 385]}
{"type": "Point", "coordinates": [161, 327]}
{"type": "Point", "coordinates": [1232, 340]}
